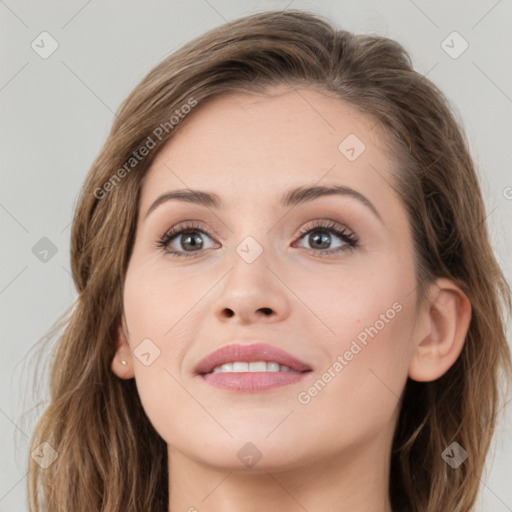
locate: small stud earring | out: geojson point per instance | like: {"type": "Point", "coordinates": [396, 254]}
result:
{"type": "Point", "coordinates": [123, 362]}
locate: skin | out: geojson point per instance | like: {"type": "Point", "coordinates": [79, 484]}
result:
{"type": "Point", "coordinates": [332, 453]}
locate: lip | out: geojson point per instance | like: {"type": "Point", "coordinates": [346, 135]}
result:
{"type": "Point", "coordinates": [251, 381]}
{"type": "Point", "coordinates": [249, 353]}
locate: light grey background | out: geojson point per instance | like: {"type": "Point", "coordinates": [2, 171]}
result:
{"type": "Point", "coordinates": [56, 113]}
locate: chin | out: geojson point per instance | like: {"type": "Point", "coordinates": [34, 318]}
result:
{"type": "Point", "coordinates": [244, 454]}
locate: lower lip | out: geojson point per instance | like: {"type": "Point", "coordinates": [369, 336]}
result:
{"type": "Point", "coordinates": [252, 381]}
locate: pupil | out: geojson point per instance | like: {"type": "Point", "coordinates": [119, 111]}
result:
{"type": "Point", "coordinates": [189, 239]}
{"type": "Point", "coordinates": [319, 240]}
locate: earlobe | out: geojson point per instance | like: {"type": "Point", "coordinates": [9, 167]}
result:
{"type": "Point", "coordinates": [448, 317]}
{"type": "Point", "coordinates": [122, 363]}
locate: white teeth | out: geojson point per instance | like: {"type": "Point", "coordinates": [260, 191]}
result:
{"type": "Point", "coordinates": [258, 366]}
{"type": "Point", "coordinates": [253, 366]}
{"type": "Point", "coordinates": [240, 367]}
{"type": "Point", "coordinates": [272, 367]}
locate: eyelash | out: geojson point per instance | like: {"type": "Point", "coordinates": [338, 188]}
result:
{"type": "Point", "coordinates": [351, 240]}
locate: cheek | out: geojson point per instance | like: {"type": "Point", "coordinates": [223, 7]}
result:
{"type": "Point", "coordinates": [159, 329]}
{"type": "Point", "coordinates": [156, 301]}
{"type": "Point", "coordinates": [152, 315]}
{"type": "Point", "coordinates": [368, 316]}
{"type": "Point", "coordinates": [353, 299]}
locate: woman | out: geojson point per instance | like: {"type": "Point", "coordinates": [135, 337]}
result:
{"type": "Point", "coordinates": [287, 294]}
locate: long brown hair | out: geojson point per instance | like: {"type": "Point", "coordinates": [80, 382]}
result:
{"type": "Point", "coordinates": [109, 457]}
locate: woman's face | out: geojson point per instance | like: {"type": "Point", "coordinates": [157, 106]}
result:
{"type": "Point", "coordinates": [327, 278]}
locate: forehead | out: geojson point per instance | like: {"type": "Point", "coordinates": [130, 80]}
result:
{"type": "Point", "coordinates": [252, 145]}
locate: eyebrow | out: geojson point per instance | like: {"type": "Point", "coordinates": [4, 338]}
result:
{"type": "Point", "coordinates": [291, 198]}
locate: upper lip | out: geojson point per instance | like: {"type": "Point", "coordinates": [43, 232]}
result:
{"type": "Point", "coordinates": [249, 353]}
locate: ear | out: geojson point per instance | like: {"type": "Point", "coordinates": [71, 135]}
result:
{"type": "Point", "coordinates": [447, 316]}
{"type": "Point", "coordinates": [123, 353]}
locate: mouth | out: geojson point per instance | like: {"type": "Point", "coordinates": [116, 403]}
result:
{"type": "Point", "coordinates": [251, 368]}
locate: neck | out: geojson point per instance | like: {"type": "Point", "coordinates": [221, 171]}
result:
{"type": "Point", "coordinates": [355, 481]}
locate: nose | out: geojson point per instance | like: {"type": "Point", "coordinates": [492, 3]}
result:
{"type": "Point", "coordinates": [252, 292]}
